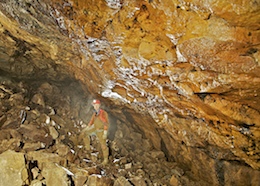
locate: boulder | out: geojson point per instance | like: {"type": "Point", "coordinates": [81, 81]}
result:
{"type": "Point", "coordinates": [174, 181]}
{"type": "Point", "coordinates": [122, 181]}
{"type": "Point", "coordinates": [138, 181]}
{"type": "Point", "coordinates": [43, 158]}
{"type": "Point", "coordinates": [54, 175]}
{"type": "Point", "coordinates": [13, 169]}
{"type": "Point", "coordinates": [98, 180]}
{"type": "Point", "coordinates": [46, 89]}
{"type": "Point", "coordinates": [36, 183]}
{"type": "Point", "coordinates": [53, 132]}
{"type": "Point", "coordinates": [32, 146]}
{"type": "Point", "coordinates": [11, 144]}
{"type": "Point", "coordinates": [35, 133]}
{"type": "Point", "coordinates": [62, 150]}
{"type": "Point", "coordinates": [157, 154]}
{"type": "Point", "coordinates": [80, 175]}
{"type": "Point", "coordinates": [38, 99]}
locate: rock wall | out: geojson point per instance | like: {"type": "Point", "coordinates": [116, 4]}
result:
{"type": "Point", "coordinates": [184, 72]}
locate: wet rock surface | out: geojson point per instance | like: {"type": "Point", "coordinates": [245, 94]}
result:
{"type": "Point", "coordinates": [180, 79]}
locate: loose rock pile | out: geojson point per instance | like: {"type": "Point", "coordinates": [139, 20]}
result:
{"type": "Point", "coordinates": [39, 143]}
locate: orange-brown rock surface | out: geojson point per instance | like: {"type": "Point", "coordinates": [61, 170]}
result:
{"type": "Point", "coordinates": [184, 72]}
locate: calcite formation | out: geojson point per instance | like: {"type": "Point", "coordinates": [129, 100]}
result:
{"type": "Point", "coordinates": [186, 71]}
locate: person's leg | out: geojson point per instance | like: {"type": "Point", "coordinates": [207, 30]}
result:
{"type": "Point", "coordinates": [85, 136]}
{"type": "Point", "coordinates": [104, 147]}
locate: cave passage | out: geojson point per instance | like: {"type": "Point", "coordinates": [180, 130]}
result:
{"type": "Point", "coordinates": [46, 116]}
{"type": "Point", "coordinates": [179, 79]}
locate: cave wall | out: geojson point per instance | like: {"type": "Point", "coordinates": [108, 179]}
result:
{"type": "Point", "coordinates": [188, 70]}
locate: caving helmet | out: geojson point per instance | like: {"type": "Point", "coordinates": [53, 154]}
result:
{"type": "Point", "coordinates": [95, 101]}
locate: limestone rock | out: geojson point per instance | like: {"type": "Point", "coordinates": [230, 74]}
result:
{"type": "Point", "coordinates": [32, 146]}
{"type": "Point", "coordinates": [233, 175]}
{"type": "Point", "coordinates": [138, 181]}
{"type": "Point", "coordinates": [35, 172]}
{"type": "Point", "coordinates": [16, 99]}
{"type": "Point", "coordinates": [98, 180]}
{"type": "Point", "coordinates": [80, 176]}
{"type": "Point", "coordinates": [157, 154]}
{"type": "Point", "coordinates": [53, 132]}
{"type": "Point", "coordinates": [174, 181]}
{"type": "Point", "coordinates": [36, 134]}
{"type": "Point", "coordinates": [121, 181]}
{"type": "Point", "coordinates": [2, 120]}
{"type": "Point", "coordinates": [38, 99]}
{"type": "Point", "coordinates": [11, 144]}
{"type": "Point", "coordinates": [36, 183]}
{"type": "Point", "coordinates": [62, 150]}
{"type": "Point", "coordinates": [54, 175]}
{"type": "Point", "coordinates": [46, 88]}
{"type": "Point", "coordinates": [13, 169]}
{"type": "Point", "coordinates": [44, 158]}
{"type": "Point", "coordinates": [183, 75]}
